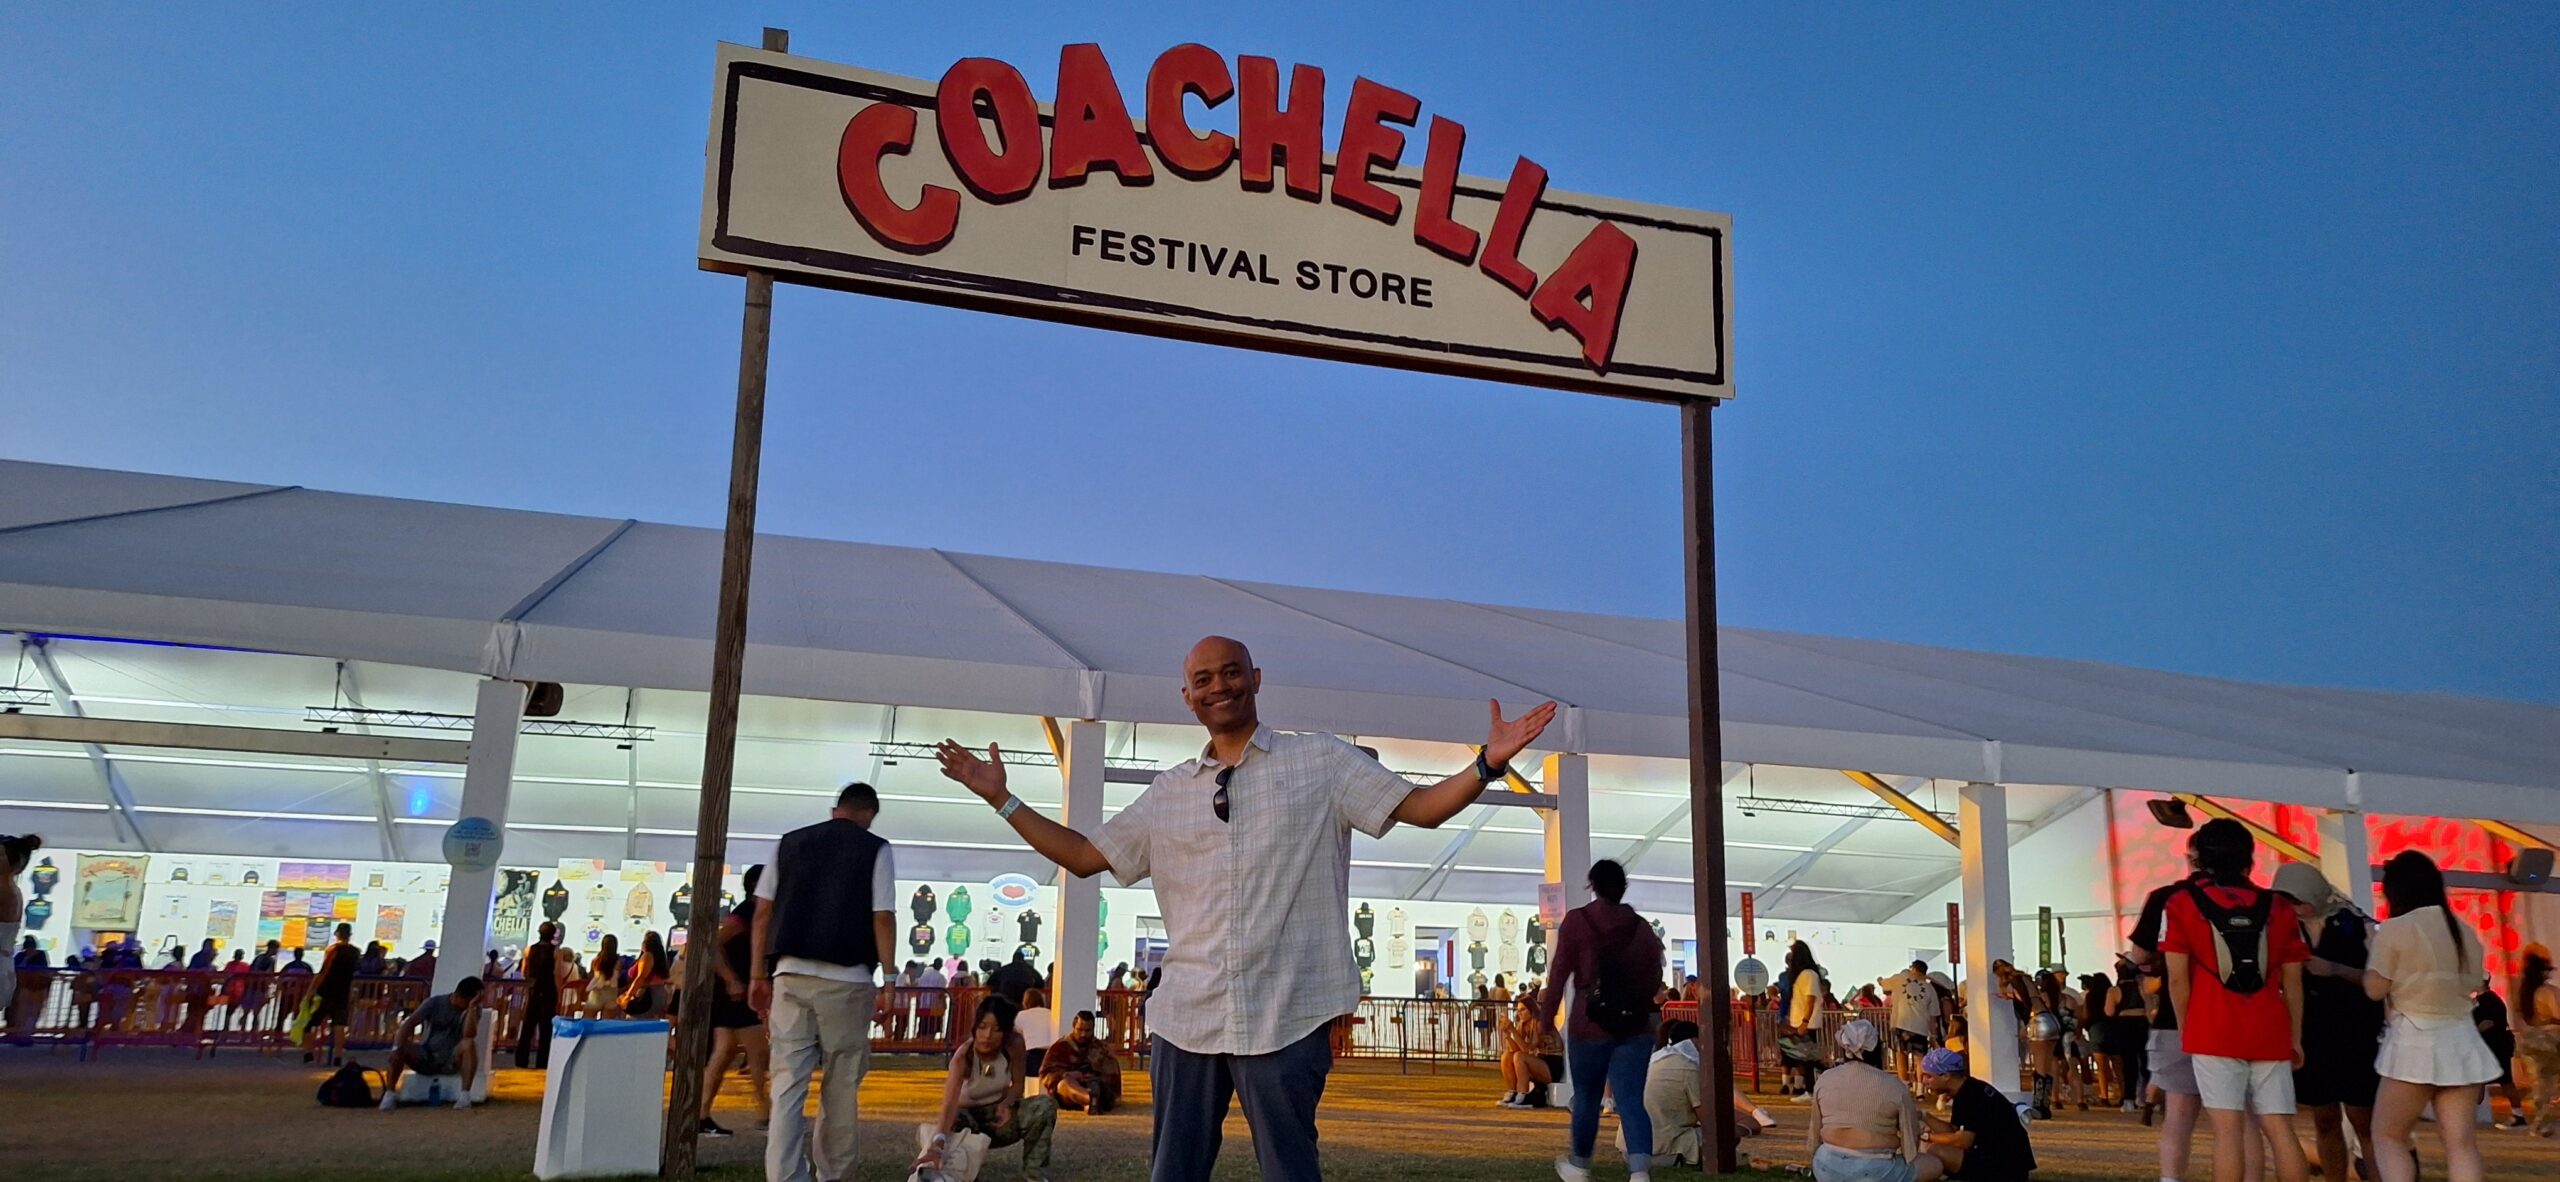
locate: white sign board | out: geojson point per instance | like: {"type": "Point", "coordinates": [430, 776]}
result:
{"type": "Point", "coordinates": [839, 177]}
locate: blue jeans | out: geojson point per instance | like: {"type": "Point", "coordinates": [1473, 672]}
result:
{"type": "Point", "coordinates": [1279, 1090]}
{"type": "Point", "coordinates": [1619, 1063]}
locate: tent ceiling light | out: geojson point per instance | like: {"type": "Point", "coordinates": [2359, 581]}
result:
{"type": "Point", "coordinates": [430, 720]}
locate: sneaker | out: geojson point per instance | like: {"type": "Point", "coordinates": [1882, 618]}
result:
{"type": "Point", "coordinates": [1569, 1172]}
{"type": "Point", "coordinates": [1801, 1098]}
{"type": "Point", "coordinates": [461, 1102]}
{"type": "Point", "coordinates": [390, 1100]}
{"type": "Point", "coordinates": [2516, 1122]}
{"type": "Point", "coordinates": [1508, 1100]}
{"type": "Point", "coordinates": [1640, 1176]}
{"type": "Point", "coordinates": [711, 1128]}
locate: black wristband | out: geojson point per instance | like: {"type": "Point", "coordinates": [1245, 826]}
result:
{"type": "Point", "coordinates": [1489, 773]}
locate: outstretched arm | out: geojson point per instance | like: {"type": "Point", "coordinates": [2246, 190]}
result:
{"type": "Point", "coordinates": [1430, 807]}
{"type": "Point", "coordinates": [984, 778]}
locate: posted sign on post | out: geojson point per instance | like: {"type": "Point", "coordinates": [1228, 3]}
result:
{"type": "Point", "coordinates": [1360, 239]}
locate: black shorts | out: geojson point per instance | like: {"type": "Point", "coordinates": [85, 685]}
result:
{"type": "Point", "coordinates": [332, 1009]}
{"type": "Point", "coordinates": [1912, 1044]}
{"type": "Point", "coordinates": [731, 1013]}
{"type": "Point", "coordinates": [2335, 1078]}
{"type": "Point", "coordinates": [1555, 1065]}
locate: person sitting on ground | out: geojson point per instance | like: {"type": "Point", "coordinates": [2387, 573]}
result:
{"type": "Point", "coordinates": [1982, 1139]}
{"type": "Point", "coordinates": [1080, 1071]}
{"type": "Point", "coordinates": [1532, 1056]}
{"type": "Point", "coordinates": [1672, 1098]}
{"type": "Point", "coordinates": [983, 1095]}
{"type": "Point", "coordinates": [1864, 1126]}
{"type": "Point", "coordinates": [1037, 1025]}
{"type": "Point", "coordinates": [441, 1038]}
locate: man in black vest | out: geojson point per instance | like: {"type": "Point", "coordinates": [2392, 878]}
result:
{"type": "Point", "coordinates": [541, 972]}
{"type": "Point", "coordinates": [816, 941]}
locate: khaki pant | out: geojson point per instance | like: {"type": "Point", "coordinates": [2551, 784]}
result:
{"type": "Point", "coordinates": [816, 1023]}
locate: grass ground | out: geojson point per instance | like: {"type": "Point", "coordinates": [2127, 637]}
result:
{"type": "Point", "coordinates": [153, 1114]}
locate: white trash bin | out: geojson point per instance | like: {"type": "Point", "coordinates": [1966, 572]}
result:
{"type": "Point", "coordinates": [604, 1105]}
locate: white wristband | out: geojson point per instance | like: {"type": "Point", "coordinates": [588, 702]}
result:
{"type": "Point", "coordinates": [1011, 804]}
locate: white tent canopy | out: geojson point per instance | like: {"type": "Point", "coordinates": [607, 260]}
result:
{"type": "Point", "coordinates": [592, 601]}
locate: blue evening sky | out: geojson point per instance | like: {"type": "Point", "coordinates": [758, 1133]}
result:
{"type": "Point", "coordinates": [2213, 338]}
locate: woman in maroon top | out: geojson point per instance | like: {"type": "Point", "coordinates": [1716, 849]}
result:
{"type": "Point", "coordinates": [1611, 957]}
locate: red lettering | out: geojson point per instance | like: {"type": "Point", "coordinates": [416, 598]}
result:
{"type": "Point", "coordinates": [1368, 142]}
{"type": "Point", "coordinates": [884, 129]}
{"type": "Point", "coordinates": [1292, 138]}
{"type": "Point", "coordinates": [1092, 126]}
{"type": "Point", "coordinates": [1432, 225]}
{"type": "Point", "coordinates": [1186, 70]}
{"type": "Point", "coordinates": [995, 174]}
{"type": "Point", "coordinates": [1589, 290]}
{"type": "Point", "coordinates": [1502, 244]}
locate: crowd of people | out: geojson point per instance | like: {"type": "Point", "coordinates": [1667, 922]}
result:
{"type": "Point", "coordinates": [2202, 1021]}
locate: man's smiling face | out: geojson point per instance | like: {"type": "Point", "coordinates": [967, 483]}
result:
{"type": "Point", "coordinates": [1219, 683]}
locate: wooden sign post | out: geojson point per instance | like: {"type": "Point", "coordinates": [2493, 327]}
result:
{"type": "Point", "coordinates": [720, 740]}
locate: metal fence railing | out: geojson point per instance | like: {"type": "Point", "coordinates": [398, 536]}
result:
{"type": "Point", "coordinates": [93, 1011]}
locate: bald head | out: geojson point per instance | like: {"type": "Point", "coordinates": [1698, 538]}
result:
{"type": "Point", "coordinates": [1213, 651]}
{"type": "Point", "coordinates": [1219, 684]}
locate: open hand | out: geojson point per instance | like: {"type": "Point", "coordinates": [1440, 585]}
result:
{"type": "Point", "coordinates": [982, 777]}
{"type": "Point", "coordinates": [1507, 739]}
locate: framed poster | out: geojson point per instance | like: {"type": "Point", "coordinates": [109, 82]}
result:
{"type": "Point", "coordinates": [108, 891]}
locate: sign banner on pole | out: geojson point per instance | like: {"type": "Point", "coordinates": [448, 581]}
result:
{"type": "Point", "coordinates": [1357, 240]}
{"type": "Point", "coordinates": [1750, 930]}
{"type": "Point", "coordinates": [1955, 935]}
{"type": "Point", "coordinates": [2044, 937]}
{"type": "Point", "coordinates": [1551, 906]}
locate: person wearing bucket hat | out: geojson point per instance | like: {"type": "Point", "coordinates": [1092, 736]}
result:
{"type": "Point", "coordinates": [2335, 1084]}
{"type": "Point", "coordinates": [1982, 1139]}
{"type": "Point", "coordinates": [1864, 1125]}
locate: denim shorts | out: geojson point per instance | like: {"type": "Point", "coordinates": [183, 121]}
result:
{"type": "Point", "coordinates": [1833, 1164]}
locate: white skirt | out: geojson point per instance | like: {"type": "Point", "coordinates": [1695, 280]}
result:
{"type": "Point", "coordinates": [2437, 1052]}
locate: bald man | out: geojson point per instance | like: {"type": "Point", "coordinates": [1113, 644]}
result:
{"type": "Point", "coordinates": [1250, 849]}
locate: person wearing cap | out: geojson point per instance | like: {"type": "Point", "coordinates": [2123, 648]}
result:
{"type": "Point", "coordinates": [425, 965]}
{"type": "Point", "coordinates": [2335, 1084]}
{"type": "Point", "coordinates": [1982, 1139]}
{"type": "Point", "coordinates": [1864, 1126]}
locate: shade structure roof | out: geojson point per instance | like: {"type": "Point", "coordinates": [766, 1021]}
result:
{"type": "Point", "coordinates": [543, 596]}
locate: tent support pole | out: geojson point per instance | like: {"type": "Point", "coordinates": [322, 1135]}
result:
{"type": "Point", "coordinates": [1706, 777]}
{"type": "Point", "coordinates": [720, 746]}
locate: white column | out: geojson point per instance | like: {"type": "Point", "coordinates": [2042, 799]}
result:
{"type": "Point", "coordinates": [1080, 899]}
{"type": "Point", "coordinates": [1982, 820]}
{"type": "Point", "coordinates": [464, 940]}
{"type": "Point", "coordinates": [2346, 856]}
{"type": "Point", "coordinates": [1568, 824]}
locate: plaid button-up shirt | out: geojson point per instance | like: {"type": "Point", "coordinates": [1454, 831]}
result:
{"type": "Point", "coordinates": [1257, 908]}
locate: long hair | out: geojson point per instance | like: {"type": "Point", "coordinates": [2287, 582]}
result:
{"type": "Point", "coordinates": [2411, 881]}
{"type": "Point", "coordinates": [1800, 957]}
{"type": "Point", "coordinates": [2537, 973]}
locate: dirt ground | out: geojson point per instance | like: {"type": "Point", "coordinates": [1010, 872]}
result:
{"type": "Point", "coordinates": [158, 1114]}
